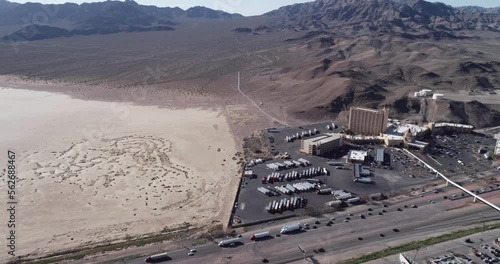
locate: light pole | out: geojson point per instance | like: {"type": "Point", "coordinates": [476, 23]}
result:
{"type": "Point", "coordinates": [303, 251]}
{"type": "Point", "coordinates": [483, 218]}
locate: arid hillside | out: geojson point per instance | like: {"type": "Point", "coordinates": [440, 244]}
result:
{"type": "Point", "coordinates": [301, 63]}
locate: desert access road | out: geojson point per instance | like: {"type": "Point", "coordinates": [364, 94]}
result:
{"type": "Point", "coordinates": [413, 224]}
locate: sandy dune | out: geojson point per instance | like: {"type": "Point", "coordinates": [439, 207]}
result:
{"type": "Point", "coordinates": [93, 171]}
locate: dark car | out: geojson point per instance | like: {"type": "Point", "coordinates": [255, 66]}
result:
{"type": "Point", "coordinates": [321, 250]}
{"type": "Point", "coordinates": [360, 238]}
{"type": "Point", "coordinates": [395, 230]}
{"type": "Point", "coordinates": [382, 235]}
{"type": "Point", "coordinates": [264, 260]}
{"type": "Point", "coordinates": [317, 222]}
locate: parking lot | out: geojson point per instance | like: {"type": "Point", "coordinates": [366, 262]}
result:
{"type": "Point", "coordinates": [459, 154]}
{"type": "Point", "coordinates": [480, 249]}
{"type": "Point", "coordinates": [389, 177]}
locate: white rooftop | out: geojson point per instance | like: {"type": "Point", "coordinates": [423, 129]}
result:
{"type": "Point", "coordinates": [394, 137]}
{"type": "Point", "coordinates": [452, 125]}
{"type": "Point", "coordinates": [358, 155]}
{"type": "Point", "coordinates": [323, 139]}
{"type": "Point", "coordinates": [397, 129]}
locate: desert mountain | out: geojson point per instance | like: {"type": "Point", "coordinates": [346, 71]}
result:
{"type": "Point", "coordinates": [409, 16]}
{"type": "Point", "coordinates": [306, 62]}
{"type": "Point", "coordinates": [97, 18]}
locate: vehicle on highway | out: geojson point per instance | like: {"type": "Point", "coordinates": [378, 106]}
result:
{"type": "Point", "coordinates": [260, 235]}
{"type": "Point", "coordinates": [157, 258]}
{"type": "Point", "coordinates": [290, 229]}
{"type": "Point", "coordinates": [192, 250]}
{"type": "Point", "coordinates": [229, 242]}
{"type": "Point", "coordinates": [190, 254]}
{"type": "Point", "coordinates": [413, 206]}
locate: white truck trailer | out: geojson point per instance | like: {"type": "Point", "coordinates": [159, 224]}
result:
{"type": "Point", "coordinates": [229, 242]}
{"type": "Point", "coordinates": [290, 229]}
{"type": "Point", "coordinates": [259, 236]}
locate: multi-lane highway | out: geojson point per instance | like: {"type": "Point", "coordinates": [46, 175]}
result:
{"type": "Point", "coordinates": [376, 230]}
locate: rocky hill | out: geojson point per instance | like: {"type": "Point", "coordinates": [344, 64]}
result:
{"type": "Point", "coordinates": [409, 16]}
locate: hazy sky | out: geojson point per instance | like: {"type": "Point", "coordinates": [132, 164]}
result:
{"type": "Point", "coordinates": [250, 7]}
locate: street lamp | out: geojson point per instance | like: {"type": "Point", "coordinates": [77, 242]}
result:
{"type": "Point", "coordinates": [483, 218]}
{"type": "Point", "coordinates": [303, 251]}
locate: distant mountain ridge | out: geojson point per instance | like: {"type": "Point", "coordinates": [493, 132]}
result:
{"type": "Point", "coordinates": [410, 16]}
{"type": "Point", "coordinates": [96, 18]}
{"type": "Point", "coordinates": [14, 13]}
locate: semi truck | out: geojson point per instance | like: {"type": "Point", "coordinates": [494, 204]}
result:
{"type": "Point", "coordinates": [324, 191]}
{"type": "Point", "coordinates": [259, 236]}
{"type": "Point", "coordinates": [157, 258]}
{"type": "Point", "coordinates": [314, 181]}
{"type": "Point", "coordinates": [364, 180]}
{"type": "Point", "coordinates": [353, 200]}
{"type": "Point", "coordinates": [290, 229]}
{"type": "Point", "coordinates": [229, 242]}
{"type": "Point", "coordinates": [263, 190]}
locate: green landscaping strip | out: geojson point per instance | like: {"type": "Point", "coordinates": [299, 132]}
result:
{"type": "Point", "coordinates": [419, 244]}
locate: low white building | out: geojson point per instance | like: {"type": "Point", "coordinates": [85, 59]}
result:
{"type": "Point", "coordinates": [357, 156]}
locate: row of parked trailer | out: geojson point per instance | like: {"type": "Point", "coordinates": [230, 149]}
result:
{"type": "Point", "coordinates": [301, 135]}
{"type": "Point", "coordinates": [286, 204]}
{"type": "Point", "coordinates": [294, 175]}
{"type": "Point", "coordinates": [277, 166]}
{"type": "Point", "coordinates": [255, 162]}
{"type": "Point", "coordinates": [310, 185]}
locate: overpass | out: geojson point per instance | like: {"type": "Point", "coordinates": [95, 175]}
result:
{"type": "Point", "coordinates": [448, 181]}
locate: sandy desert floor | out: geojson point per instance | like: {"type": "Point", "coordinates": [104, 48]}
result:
{"type": "Point", "coordinates": [91, 171]}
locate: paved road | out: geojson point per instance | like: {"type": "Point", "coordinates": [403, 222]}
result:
{"type": "Point", "coordinates": [340, 237]}
{"type": "Point", "coordinates": [256, 105]}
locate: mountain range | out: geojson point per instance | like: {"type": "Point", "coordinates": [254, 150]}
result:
{"type": "Point", "coordinates": [309, 61]}
{"type": "Point", "coordinates": [409, 16]}
{"type": "Point", "coordinates": [95, 18]}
